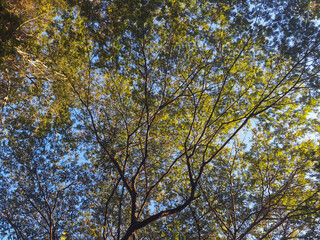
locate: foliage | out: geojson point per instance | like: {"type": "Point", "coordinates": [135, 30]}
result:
{"type": "Point", "coordinates": [161, 120]}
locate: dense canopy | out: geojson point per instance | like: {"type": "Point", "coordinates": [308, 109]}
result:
{"type": "Point", "coordinates": [149, 119]}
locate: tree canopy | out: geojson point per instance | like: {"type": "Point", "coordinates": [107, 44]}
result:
{"type": "Point", "coordinates": [171, 119]}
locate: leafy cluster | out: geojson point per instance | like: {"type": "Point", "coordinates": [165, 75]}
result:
{"type": "Point", "coordinates": [175, 119]}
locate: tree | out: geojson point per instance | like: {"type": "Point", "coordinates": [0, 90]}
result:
{"type": "Point", "coordinates": [162, 120]}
